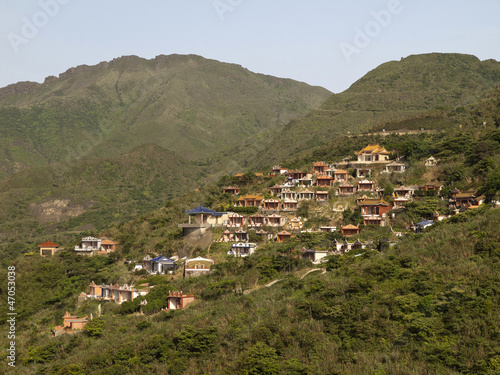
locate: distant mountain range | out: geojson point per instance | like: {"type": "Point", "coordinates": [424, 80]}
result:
{"type": "Point", "coordinates": [189, 105]}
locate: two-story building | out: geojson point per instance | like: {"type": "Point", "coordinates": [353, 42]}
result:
{"type": "Point", "coordinates": [373, 154]}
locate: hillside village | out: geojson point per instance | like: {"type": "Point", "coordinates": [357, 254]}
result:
{"type": "Point", "coordinates": [345, 253]}
{"type": "Point", "coordinates": [313, 200]}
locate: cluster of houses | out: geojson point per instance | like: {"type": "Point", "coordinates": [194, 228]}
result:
{"type": "Point", "coordinates": [122, 293]}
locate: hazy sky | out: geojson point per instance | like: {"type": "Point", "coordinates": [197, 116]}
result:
{"type": "Point", "coordinates": [328, 43]}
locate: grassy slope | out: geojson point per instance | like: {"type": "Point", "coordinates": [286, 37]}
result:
{"type": "Point", "coordinates": [96, 193]}
{"type": "Point", "coordinates": [427, 306]}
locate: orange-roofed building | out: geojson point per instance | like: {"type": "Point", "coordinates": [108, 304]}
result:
{"type": "Point", "coordinates": [108, 246]}
{"type": "Point", "coordinates": [324, 180]}
{"type": "Point", "coordinates": [373, 154]}
{"type": "Point", "coordinates": [250, 201]}
{"type": "Point", "coordinates": [178, 300]}
{"type": "Point", "coordinates": [350, 230]}
{"type": "Point", "coordinates": [319, 167]}
{"type": "Point", "coordinates": [340, 175]}
{"type": "Point", "coordinates": [70, 325]}
{"type": "Point", "coordinates": [48, 249]}
{"type": "Point", "coordinates": [283, 236]}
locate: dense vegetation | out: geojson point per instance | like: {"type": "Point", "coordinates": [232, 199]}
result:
{"type": "Point", "coordinates": [420, 91]}
{"type": "Point", "coordinates": [428, 304]}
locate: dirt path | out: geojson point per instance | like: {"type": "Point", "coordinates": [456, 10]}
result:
{"type": "Point", "coordinates": [278, 280]}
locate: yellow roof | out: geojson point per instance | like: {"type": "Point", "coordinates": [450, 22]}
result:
{"type": "Point", "coordinates": [371, 149]}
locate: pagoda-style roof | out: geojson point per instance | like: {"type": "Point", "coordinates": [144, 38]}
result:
{"type": "Point", "coordinates": [162, 259]}
{"type": "Point", "coordinates": [350, 226]}
{"type": "Point", "coordinates": [374, 202]}
{"type": "Point", "coordinates": [251, 197]}
{"type": "Point", "coordinates": [203, 210]}
{"type": "Point", "coordinates": [373, 149]}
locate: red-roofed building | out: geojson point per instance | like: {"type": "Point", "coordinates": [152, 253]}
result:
{"type": "Point", "coordinates": [178, 301]}
{"type": "Point", "coordinates": [48, 249]}
{"type": "Point", "coordinates": [283, 236]}
{"type": "Point", "coordinates": [319, 167]}
{"type": "Point", "coordinates": [324, 180]}
{"type": "Point", "coordinates": [341, 175]}
{"type": "Point", "coordinates": [350, 230]}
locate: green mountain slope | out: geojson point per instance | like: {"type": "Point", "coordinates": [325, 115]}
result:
{"type": "Point", "coordinates": [393, 91]}
{"type": "Point", "coordinates": [92, 193]}
{"type": "Point", "coordinates": [186, 104]}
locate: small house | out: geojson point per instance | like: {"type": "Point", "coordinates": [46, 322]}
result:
{"type": "Point", "coordinates": [306, 195]}
{"type": "Point", "coordinates": [197, 266]}
{"type": "Point", "coordinates": [48, 249]}
{"type": "Point", "coordinates": [373, 154]}
{"type": "Point", "coordinates": [322, 196]}
{"type": "Point", "coordinates": [346, 189]}
{"type": "Point", "coordinates": [431, 161]}
{"type": "Point", "coordinates": [419, 227]}
{"type": "Point", "coordinates": [231, 190]}
{"type": "Point", "coordinates": [227, 236]}
{"type": "Point", "coordinates": [257, 220]}
{"type": "Point", "coordinates": [71, 324]}
{"type": "Point", "coordinates": [178, 300]}
{"type": "Point", "coordinates": [272, 204]}
{"type": "Point", "coordinates": [88, 246]}
{"type": "Point", "coordinates": [250, 201]}
{"type": "Point", "coordinates": [313, 255]}
{"type": "Point", "coordinates": [276, 220]}
{"type": "Point", "coordinates": [324, 180]}
{"type": "Point", "coordinates": [366, 185]}
{"type": "Point", "coordinates": [283, 236]}
{"type": "Point", "coordinates": [276, 190]}
{"type": "Point", "coordinates": [396, 167]}
{"type": "Point", "coordinates": [319, 167]}
{"type": "Point", "coordinates": [242, 249]}
{"type": "Point", "coordinates": [306, 181]}
{"type": "Point", "coordinates": [288, 194]}
{"type": "Point", "coordinates": [349, 230]}
{"type": "Point", "coordinates": [290, 205]}
{"type": "Point", "coordinates": [108, 246]}
{"type": "Point", "coordinates": [341, 175]}
{"type": "Point", "coordinates": [363, 172]}
{"type": "Point", "coordinates": [241, 236]}
{"type": "Point", "coordinates": [159, 265]}
{"type": "Point", "coordinates": [236, 220]}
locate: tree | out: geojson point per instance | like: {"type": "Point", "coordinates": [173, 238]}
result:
{"type": "Point", "coordinates": [95, 327]}
{"type": "Point", "coordinates": [261, 360]}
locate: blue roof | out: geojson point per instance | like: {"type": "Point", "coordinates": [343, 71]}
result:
{"type": "Point", "coordinates": [425, 222]}
{"type": "Point", "coordinates": [162, 259]}
{"type": "Point", "coordinates": [201, 210]}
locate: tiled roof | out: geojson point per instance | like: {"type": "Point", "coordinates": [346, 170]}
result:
{"type": "Point", "coordinates": [374, 149]}
{"type": "Point", "coordinates": [350, 226]}
{"type": "Point", "coordinates": [48, 244]}
{"type": "Point", "coordinates": [374, 202]}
